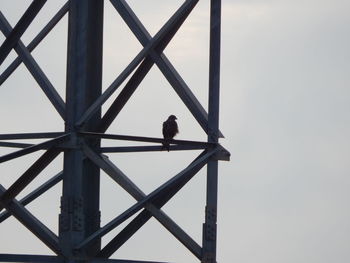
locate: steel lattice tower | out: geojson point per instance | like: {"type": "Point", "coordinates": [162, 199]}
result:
{"type": "Point", "coordinates": [79, 234]}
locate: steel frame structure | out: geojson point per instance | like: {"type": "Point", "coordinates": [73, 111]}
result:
{"type": "Point", "coordinates": [79, 235]}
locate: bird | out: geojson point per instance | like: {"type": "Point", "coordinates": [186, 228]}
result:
{"type": "Point", "coordinates": [170, 129]}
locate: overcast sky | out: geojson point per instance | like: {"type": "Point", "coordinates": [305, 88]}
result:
{"type": "Point", "coordinates": [285, 104]}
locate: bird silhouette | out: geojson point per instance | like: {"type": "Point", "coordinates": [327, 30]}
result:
{"type": "Point", "coordinates": [170, 129]}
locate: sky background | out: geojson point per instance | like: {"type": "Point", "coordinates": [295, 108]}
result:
{"type": "Point", "coordinates": [285, 104]}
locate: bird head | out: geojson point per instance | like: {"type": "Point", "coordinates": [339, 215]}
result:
{"type": "Point", "coordinates": [172, 117]}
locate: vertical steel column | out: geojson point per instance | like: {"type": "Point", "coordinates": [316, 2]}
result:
{"type": "Point", "coordinates": [80, 215]}
{"type": "Point", "coordinates": [209, 228]}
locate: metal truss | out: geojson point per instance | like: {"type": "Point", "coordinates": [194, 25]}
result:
{"type": "Point", "coordinates": [80, 233]}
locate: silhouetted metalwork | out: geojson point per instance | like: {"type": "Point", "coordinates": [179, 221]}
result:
{"type": "Point", "coordinates": [80, 233]}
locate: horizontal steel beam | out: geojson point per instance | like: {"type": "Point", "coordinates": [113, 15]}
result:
{"type": "Point", "coordinates": [30, 258]}
{"type": "Point", "coordinates": [21, 26]}
{"type": "Point", "coordinates": [51, 143]}
{"type": "Point", "coordinates": [36, 41]}
{"type": "Point", "coordinates": [15, 145]}
{"type": "Point", "coordinates": [38, 135]}
{"type": "Point", "coordinates": [56, 259]}
{"type": "Point", "coordinates": [124, 149]}
{"type": "Point", "coordinates": [145, 139]}
{"type": "Point", "coordinates": [103, 260]}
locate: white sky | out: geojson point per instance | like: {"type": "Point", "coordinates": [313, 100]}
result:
{"type": "Point", "coordinates": [285, 108]}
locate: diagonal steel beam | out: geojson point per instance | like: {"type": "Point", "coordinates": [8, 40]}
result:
{"type": "Point", "coordinates": [176, 20]}
{"type": "Point", "coordinates": [33, 44]}
{"type": "Point", "coordinates": [145, 215]}
{"type": "Point", "coordinates": [38, 135]}
{"type": "Point", "coordinates": [32, 223]}
{"type": "Point", "coordinates": [165, 66]}
{"type": "Point", "coordinates": [15, 145]}
{"type": "Point", "coordinates": [34, 148]}
{"type": "Point", "coordinates": [160, 40]}
{"type": "Point", "coordinates": [34, 194]}
{"type": "Point", "coordinates": [35, 70]}
{"type": "Point", "coordinates": [115, 85]}
{"type": "Point", "coordinates": [21, 26]}
{"type": "Point", "coordinates": [125, 95]}
{"type": "Point", "coordinates": [28, 176]}
{"type": "Point", "coordinates": [160, 191]}
{"type": "Point", "coordinates": [119, 177]}
{"type": "Point", "coordinates": [122, 237]}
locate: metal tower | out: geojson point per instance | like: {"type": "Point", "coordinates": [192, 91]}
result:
{"type": "Point", "coordinates": [79, 230]}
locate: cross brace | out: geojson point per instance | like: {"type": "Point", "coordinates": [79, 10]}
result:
{"type": "Point", "coordinates": [21, 26]}
{"type": "Point", "coordinates": [35, 69]}
{"type": "Point", "coordinates": [80, 126]}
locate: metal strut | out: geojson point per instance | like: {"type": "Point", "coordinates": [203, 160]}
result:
{"type": "Point", "coordinates": [79, 231]}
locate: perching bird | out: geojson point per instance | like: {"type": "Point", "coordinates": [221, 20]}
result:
{"type": "Point", "coordinates": [170, 129]}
